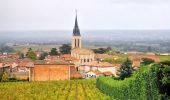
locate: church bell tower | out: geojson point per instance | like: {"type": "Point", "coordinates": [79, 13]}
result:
{"type": "Point", "coordinates": [76, 38]}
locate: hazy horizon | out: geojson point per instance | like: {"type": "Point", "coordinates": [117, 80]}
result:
{"type": "Point", "coordinates": [88, 35]}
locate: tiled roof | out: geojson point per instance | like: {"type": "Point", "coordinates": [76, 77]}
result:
{"type": "Point", "coordinates": [65, 56]}
{"type": "Point", "coordinates": [136, 63]}
{"type": "Point", "coordinates": [56, 61]}
{"type": "Point", "coordinates": [107, 73]}
{"type": "Point", "coordinates": [102, 56]}
{"type": "Point", "coordinates": [117, 65]}
{"type": "Point", "coordinates": [82, 51]}
{"type": "Point", "coordinates": [99, 64]}
{"type": "Point", "coordinates": [97, 72]}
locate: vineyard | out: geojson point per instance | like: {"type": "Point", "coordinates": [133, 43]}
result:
{"type": "Point", "coordinates": [56, 90]}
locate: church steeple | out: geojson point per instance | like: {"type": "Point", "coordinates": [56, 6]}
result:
{"type": "Point", "coordinates": [76, 31]}
{"type": "Point", "coordinates": [76, 39]}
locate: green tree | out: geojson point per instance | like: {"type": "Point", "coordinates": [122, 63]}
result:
{"type": "Point", "coordinates": [53, 52]}
{"type": "Point", "coordinates": [108, 49]}
{"type": "Point", "coordinates": [31, 54]}
{"type": "Point", "coordinates": [164, 80]}
{"type": "Point", "coordinates": [43, 55]}
{"type": "Point", "coordinates": [147, 61]}
{"type": "Point", "coordinates": [21, 55]}
{"type": "Point", "coordinates": [100, 50]}
{"type": "Point", "coordinates": [126, 69]}
{"type": "Point", "coordinates": [5, 77]}
{"type": "Point", "coordinates": [65, 49]}
{"type": "Point", "coordinates": [7, 49]}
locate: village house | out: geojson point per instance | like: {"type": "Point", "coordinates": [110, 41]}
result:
{"type": "Point", "coordinates": [99, 66]}
{"type": "Point", "coordinates": [50, 70]}
{"type": "Point", "coordinates": [93, 74]}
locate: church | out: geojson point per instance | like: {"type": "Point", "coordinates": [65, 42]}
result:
{"type": "Point", "coordinates": [82, 54]}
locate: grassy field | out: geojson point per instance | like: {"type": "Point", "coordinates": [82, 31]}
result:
{"type": "Point", "coordinates": [25, 48]}
{"type": "Point", "coordinates": [164, 58]}
{"type": "Point", "coordinates": [56, 90]}
{"type": "Point", "coordinates": [117, 59]}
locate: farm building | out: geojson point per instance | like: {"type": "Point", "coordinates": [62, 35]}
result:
{"type": "Point", "coordinates": [50, 70]}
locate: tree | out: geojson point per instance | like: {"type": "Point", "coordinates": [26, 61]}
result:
{"type": "Point", "coordinates": [126, 69]}
{"type": "Point", "coordinates": [43, 55]}
{"type": "Point", "coordinates": [53, 52]}
{"type": "Point", "coordinates": [5, 77]}
{"type": "Point", "coordinates": [100, 50]}
{"type": "Point", "coordinates": [108, 49]}
{"type": "Point", "coordinates": [147, 61]}
{"type": "Point", "coordinates": [31, 54]}
{"type": "Point", "coordinates": [4, 48]}
{"type": "Point", "coordinates": [164, 80]}
{"type": "Point", "coordinates": [65, 49]}
{"type": "Point", "coordinates": [21, 55]}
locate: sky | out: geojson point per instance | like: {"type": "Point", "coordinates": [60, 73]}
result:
{"type": "Point", "coordinates": [31, 15]}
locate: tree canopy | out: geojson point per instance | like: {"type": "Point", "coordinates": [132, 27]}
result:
{"type": "Point", "coordinates": [102, 50]}
{"type": "Point", "coordinates": [126, 69]}
{"type": "Point", "coordinates": [53, 52]}
{"type": "Point", "coordinates": [43, 55]}
{"type": "Point", "coordinates": [147, 61]}
{"type": "Point", "coordinates": [7, 49]}
{"type": "Point", "coordinates": [31, 54]}
{"type": "Point", "coordinates": [65, 49]}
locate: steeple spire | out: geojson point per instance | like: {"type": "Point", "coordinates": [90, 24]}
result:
{"type": "Point", "coordinates": [76, 31]}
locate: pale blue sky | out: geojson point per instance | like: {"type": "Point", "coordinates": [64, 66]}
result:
{"type": "Point", "coordinates": [19, 15]}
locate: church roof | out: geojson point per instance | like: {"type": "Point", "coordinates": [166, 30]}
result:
{"type": "Point", "coordinates": [76, 31]}
{"type": "Point", "coordinates": [82, 51]}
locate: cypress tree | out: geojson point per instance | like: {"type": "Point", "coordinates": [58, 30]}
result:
{"type": "Point", "coordinates": [126, 69]}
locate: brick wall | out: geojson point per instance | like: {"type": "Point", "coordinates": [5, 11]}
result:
{"type": "Point", "coordinates": [46, 72]}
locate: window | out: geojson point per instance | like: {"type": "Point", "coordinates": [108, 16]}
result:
{"type": "Point", "coordinates": [75, 42]}
{"type": "Point", "coordinates": [84, 60]}
{"type": "Point", "coordinates": [78, 43]}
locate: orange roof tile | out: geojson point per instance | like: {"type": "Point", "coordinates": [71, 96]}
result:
{"type": "Point", "coordinates": [136, 64]}
{"type": "Point", "coordinates": [97, 72]}
{"type": "Point", "coordinates": [107, 73]}
{"type": "Point", "coordinates": [99, 64]}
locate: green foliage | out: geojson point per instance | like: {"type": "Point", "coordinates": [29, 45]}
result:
{"type": "Point", "coordinates": [126, 69]}
{"type": "Point", "coordinates": [31, 54]}
{"type": "Point", "coordinates": [119, 59]}
{"type": "Point", "coordinates": [142, 85]}
{"type": "Point", "coordinates": [7, 49]}
{"type": "Point", "coordinates": [164, 58]}
{"type": "Point", "coordinates": [65, 49]}
{"type": "Point", "coordinates": [43, 55]}
{"type": "Point", "coordinates": [164, 80]}
{"type": "Point", "coordinates": [53, 52]}
{"type": "Point", "coordinates": [53, 90]}
{"type": "Point", "coordinates": [147, 61]}
{"type": "Point", "coordinates": [102, 50]}
{"type": "Point", "coordinates": [5, 77]}
{"type": "Point", "coordinates": [21, 55]}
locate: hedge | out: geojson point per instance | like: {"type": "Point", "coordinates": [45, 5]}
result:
{"type": "Point", "coordinates": [142, 85]}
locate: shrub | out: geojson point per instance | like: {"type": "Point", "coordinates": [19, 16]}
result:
{"type": "Point", "coordinates": [5, 77]}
